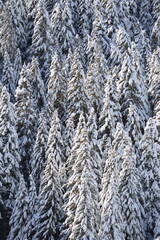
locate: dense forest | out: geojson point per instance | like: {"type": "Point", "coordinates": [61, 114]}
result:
{"type": "Point", "coordinates": [79, 120]}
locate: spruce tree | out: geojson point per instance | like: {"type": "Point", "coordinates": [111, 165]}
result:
{"type": "Point", "coordinates": [63, 31]}
{"type": "Point", "coordinates": [19, 215]}
{"type": "Point", "coordinates": [17, 66]}
{"type": "Point", "coordinates": [9, 159]}
{"type": "Point", "coordinates": [42, 45]}
{"type": "Point", "coordinates": [150, 169]}
{"type": "Point", "coordinates": [112, 225]}
{"type": "Point", "coordinates": [25, 119]}
{"type": "Point", "coordinates": [77, 97]}
{"type": "Point", "coordinates": [38, 157]}
{"type": "Point", "coordinates": [82, 192]}
{"type": "Point", "coordinates": [8, 78]}
{"type": "Point", "coordinates": [132, 197]}
{"type": "Point", "coordinates": [56, 94]}
{"type": "Point", "coordinates": [49, 212]}
{"type": "Point", "coordinates": [37, 86]}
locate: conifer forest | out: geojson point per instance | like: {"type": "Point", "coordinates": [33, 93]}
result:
{"type": "Point", "coordinates": [79, 119]}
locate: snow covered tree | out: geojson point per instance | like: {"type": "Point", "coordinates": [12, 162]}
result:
{"type": "Point", "coordinates": [42, 44]}
{"type": "Point", "coordinates": [85, 19]}
{"type": "Point", "coordinates": [131, 88]}
{"type": "Point", "coordinates": [123, 40]}
{"type": "Point", "coordinates": [77, 98]}
{"type": "Point", "coordinates": [56, 94]}
{"type": "Point", "coordinates": [112, 225]}
{"type": "Point", "coordinates": [17, 66]}
{"type": "Point", "coordinates": [132, 197]}
{"type": "Point", "coordinates": [151, 176]}
{"type": "Point", "coordinates": [69, 134]}
{"type": "Point", "coordinates": [50, 5]}
{"type": "Point", "coordinates": [156, 9]}
{"type": "Point", "coordinates": [96, 152]}
{"type": "Point", "coordinates": [32, 208]}
{"type": "Point", "coordinates": [63, 31]}
{"type": "Point", "coordinates": [25, 119]}
{"type": "Point", "coordinates": [19, 19]}
{"type": "Point", "coordinates": [133, 127]}
{"type": "Point", "coordinates": [38, 157]}
{"type": "Point", "coordinates": [99, 29]}
{"type": "Point", "coordinates": [7, 33]}
{"type": "Point", "coordinates": [37, 86]}
{"type": "Point", "coordinates": [49, 212]}
{"type": "Point", "coordinates": [19, 215]}
{"type": "Point", "coordinates": [110, 114]}
{"type": "Point", "coordinates": [8, 79]}
{"type": "Point", "coordinates": [154, 72]}
{"type": "Point", "coordinates": [145, 15]}
{"type": "Point", "coordinates": [9, 159]}
{"type": "Point", "coordinates": [82, 209]}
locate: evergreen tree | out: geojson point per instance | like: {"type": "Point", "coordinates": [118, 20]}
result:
{"type": "Point", "coordinates": [145, 15]}
{"type": "Point", "coordinates": [156, 9]}
{"type": "Point", "coordinates": [132, 197]}
{"type": "Point", "coordinates": [32, 208]}
{"type": "Point", "coordinates": [7, 33]}
{"type": "Point", "coordinates": [112, 225]}
{"type": "Point", "coordinates": [37, 86]}
{"type": "Point", "coordinates": [9, 159]}
{"type": "Point", "coordinates": [42, 45]}
{"type": "Point", "coordinates": [69, 134]}
{"type": "Point", "coordinates": [63, 31]}
{"type": "Point", "coordinates": [19, 215]}
{"type": "Point", "coordinates": [154, 72]}
{"type": "Point", "coordinates": [25, 119]}
{"type": "Point", "coordinates": [49, 213]}
{"type": "Point", "coordinates": [38, 157]}
{"type": "Point", "coordinates": [96, 152]}
{"type": "Point", "coordinates": [17, 66]}
{"type": "Point", "coordinates": [110, 114]}
{"type": "Point", "coordinates": [77, 95]}
{"type": "Point", "coordinates": [56, 88]}
{"type": "Point", "coordinates": [8, 79]}
{"type": "Point", "coordinates": [150, 167]}
{"type": "Point", "coordinates": [82, 192]}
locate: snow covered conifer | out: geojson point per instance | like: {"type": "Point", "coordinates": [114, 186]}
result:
{"type": "Point", "coordinates": [56, 88]}
{"type": "Point", "coordinates": [132, 197]}
{"type": "Point", "coordinates": [25, 118]}
{"type": "Point", "coordinates": [63, 31]}
{"type": "Point", "coordinates": [37, 85]}
{"type": "Point", "coordinates": [17, 66]}
{"type": "Point", "coordinates": [151, 176]}
{"type": "Point", "coordinates": [96, 153]}
{"type": "Point", "coordinates": [82, 209]}
{"type": "Point", "coordinates": [110, 114]}
{"type": "Point", "coordinates": [77, 95]}
{"type": "Point", "coordinates": [19, 215]}
{"type": "Point", "coordinates": [8, 78]}
{"type": "Point", "coordinates": [38, 157]}
{"type": "Point", "coordinates": [112, 225]}
{"type": "Point", "coordinates": [42, 45]}
{"type": "Point", "coordinates": [9, 158]}
{"type": "Point", "coordinates": [49, 212]}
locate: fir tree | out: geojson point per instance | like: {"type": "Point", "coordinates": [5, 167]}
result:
{"type": "Point", "coordinates": [82, 192]}
{"type": "Point", "coordinates": [132, 197]}
{"type": "Point", "coordinates": [77, 95]}
{"type": "Point", "coordinates": [38, 157]}
{"type": "Point", "coordinates": [63, 31]}
{"type": "Point", "coordinates": [37, 86]}
{"type": "Point", "coordinates": [19, 215]}
{"type": "Point", "coordinates": [9, 159]}
{"type": "Point", "coordinates": [112, 225]}
{"type": "Point", "coordinates": [56, 88]}
{"type": "Point", "coordinates": [150, 167]}
{"type": "Point", "coordinates": [17, 66]}
{"type": "Point", "coordinates": [8, 79]}
{"type": "Point", "coordinates": [49, 213]}
{"type": "Point", "coordinates": [42, 45]}
{"type": "Point", "coordinates": [25, 119]}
